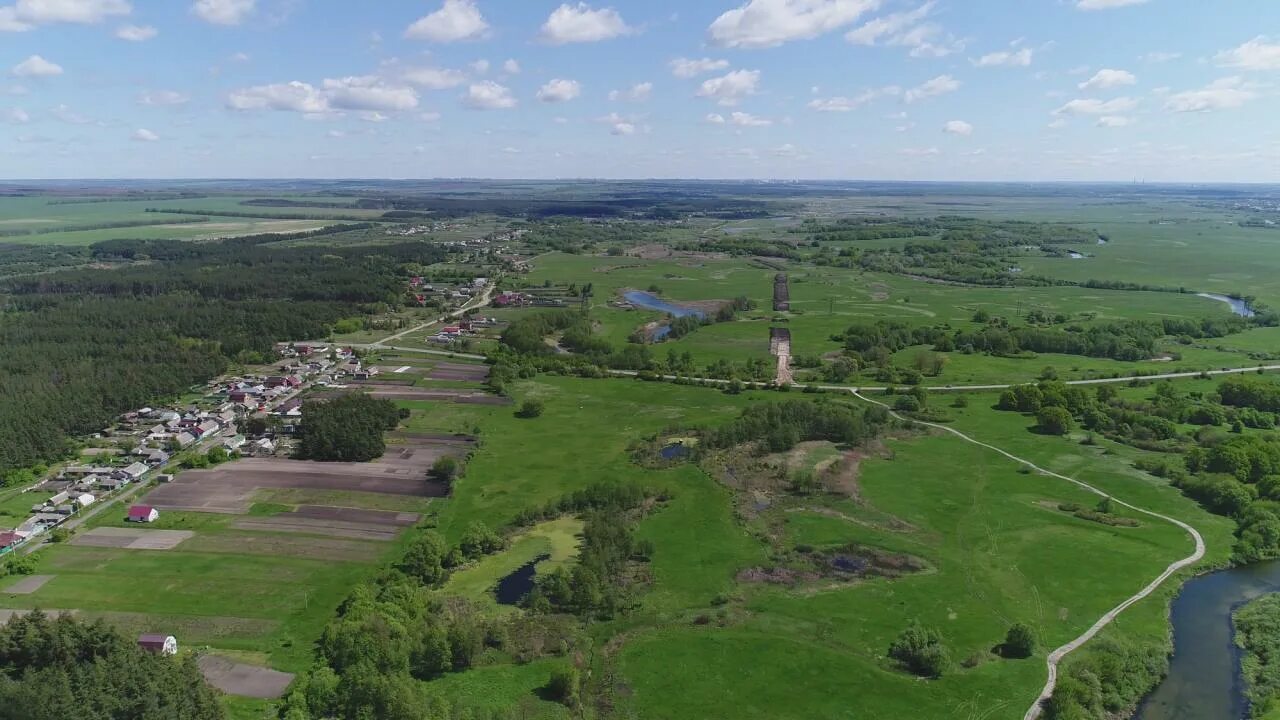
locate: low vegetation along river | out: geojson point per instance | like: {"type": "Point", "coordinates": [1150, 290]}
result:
{"type": "Point", "coordinates": [1238, 306]}
{"type": "Point", "coordinates": [1204, 681]}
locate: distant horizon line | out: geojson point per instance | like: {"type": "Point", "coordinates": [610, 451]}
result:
{"type": "Point", "coordinates": [760, 180]}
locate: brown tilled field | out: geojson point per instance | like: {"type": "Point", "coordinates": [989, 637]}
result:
{"type": "Point", "coordinates": [459, 371]}
{"type": "Point", "coordinates": [465, 397]}
{"type": "Point", "coordinates": [132, 538]}
{"type": "Point", "coordinates": [236, 678]}
{"type": "Point", "coordinates": [289, 523]}
{"type": "Point", "coordinates": [229, 488]}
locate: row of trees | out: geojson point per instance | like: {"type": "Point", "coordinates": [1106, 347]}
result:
{"type": "Point", "coordinates": [781, 425]}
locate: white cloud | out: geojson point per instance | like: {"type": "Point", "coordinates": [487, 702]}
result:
{"type": "Point", "coordinates": [456, 20]}
{"type": "Point", "coordinates": [145, 135]}
{"type": "Point", "coordinates": [687, 68]}
{"type": "Point", "coordinates": [907, 29]}
{"type": "Point", "coordinates": [163, 98]}
{"type": "Point", "coordinates": [742, 119]}
{"type": "Point", "coordinates": [1160, 57]}
{"type": "Point", "coordinates": [26, 14]}
{"type": "Point", "coordinates": [240, 57]}
{"type": "Point", "coordinates": [1058, 124]}
{"type": "Point", "coordinates": [511, 67]}
{"type": "Point", "coordinates": [1114, 121]}
{"type": "Point", "coordinates": [17, 116]}
{"type": "Point", "coordinates": [847, 104]}
{"type": "Point", "coordinates": [714, 118]}
{"type": "Point", "coordinates": [730, 89]}
{"type": "Point", "coordinates": [769, 23]}
{"type": "Point", "coordinates": [36, 66]}
{"type": "Point", "coordinates": [1224, 94]}
{"type": "Point", "coordinates": [67, 115]}
{"type": "Point", "coordinates": [224, 12]}
{"type": "Point", "coordinates": [1106, 4]}
{"type": "Point", "coordinates": [136, 33]}
{"type": "Point", "coordinates": [1107, 78]}
{"type": "Point", "coordinates": [639, 92]}
{"type": "Point", "coordinates": [958, 127]}
{"type": "Point", "coordinates": [559, 90]}
{"type": "Point", "coordinates": [1006, 58]}
{"type": "Point", "coordinates": [479, 67]}
{"type": "Point", "coordinates": [940, 85]}
{"type": "Point", "coordinates": [488, 95]}
{"type": "Point", "coordinates": [373, 116]}
{"type": "Point", "coordinates": [623, 128]}
{"type": "Point", "coordinates": [1257, 54]}
{"type": "Point", "coordinates": [368, 93]}
{"type": "Point", "coordinates": [580, 23]}
{"type": "Point", "coordinates": [289, 97]}
{"type": "Point", "coordinates": [1093, 106]}
{"type": "Point", "coordinates": [434, 78]}
{"type": "Point", "coordinates": [920, 152]}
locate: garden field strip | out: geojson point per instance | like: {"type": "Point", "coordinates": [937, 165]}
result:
{"type": "Point", "coordinates": [1055, 657]}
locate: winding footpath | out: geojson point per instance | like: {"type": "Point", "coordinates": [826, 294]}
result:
{"type": "Point", "coordinates": [1055, 657]}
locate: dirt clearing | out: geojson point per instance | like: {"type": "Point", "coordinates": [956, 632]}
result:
{"type": "Point", "coordinates": [131, 539]}
{"type": "Point", "coordinates": [236, 678]}
{"type": "Point", "coordinates": [28, 585]}
{"type": "Point", "coordinates": [288, 523]}
{"type": "Point", "coordinates": [332, 549]}
{"type": "Point", "coordinates": [459, 371]}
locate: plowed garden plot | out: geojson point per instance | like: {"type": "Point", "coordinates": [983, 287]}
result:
{"type": "Point", "coordinates": [236, 678]}
{"type": "Point", "coordinates": [229, 488]}
{"type": "Point", "coordinates": [465, 397]}
{"type": "Point", "coordinates": [132, 539]}
{"type": "Point", "coordinates": [372, 517]}
{"type": "Point", "coordinates": [287, 523]}
{"type": "Point", "coordinates": [28, 585]}
{"type": "Point", "coordinates": [386, 381]}
{"type": "Point", "coordinates": [459, 371]}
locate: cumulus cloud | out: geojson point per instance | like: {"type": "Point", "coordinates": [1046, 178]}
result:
{"type": "Point", "coordinates": [958, 127]}
{"type": "Point", "coordinates": [286, 97]}
{"type": "Point", "coordinates": [581, 24]}
{"type": "Point", "coordinates": [907, 29]}
{"type": "Point", "coordinates": [434, 78]}
{"type": "Point", "coordinates": [714, 118]}
{"type": "Point", "coordinates": [730, 89]}
{"type": "Point", "coordinates": [769, 23]}
{"type": "Point", "coordinates": [1114, 121]}
{"type": "Point", "coordinates": [687, 68]}
{"type": "Point", "coordinates": [623, 128]}
{"type": "Point", "coordinates": [511, 67]}
{"type": "Point", "coordinates": [1006, 58]}
{"type": "Point", "coordinates": [368, 92]}
{"type": "Point", "coordinates": [742, 119]}
{"type": "Point", "coordinates": [920, 152]}
{"type": "Point", "coordinates": [1223, 94]}
{"type": "Point", "coordinates": [224, 12]}
{"type": "Point", "coordinates": [1093, 106]}
{"type": "Point", "coordinates": [488, 95]}
{"type": "Point", "coordinates": [639, 92]}
{"type": "Point", "coordinates": [145, 135]}
{"type": "Point", "coordinates": [1107, 78]}
{"type": "Point", "coordinates": [161, 98]}
{"type": "Point", "coordinates": [848, 104]}
{"type": "Point", "coordinates": [940, 85]}
{"type": "Point", "coordinates": [1106, 4]}
{"type": "Point", "coordinates": [136, 33]}
{"type": "Point", "coordinates": [17, 116]}
{"type": "Point", "coordinates": [479, 67]}
{"type": "Point", "coordinates": [27, 14]}
{"type": "Point", "coordinates": [36, 66]}
{"type": "Point", "coordinates": [1257, 54]}
{"type": "Point", "coordinates": [559, 90]}
{"type": "Point", "coordinates": [455, 21]}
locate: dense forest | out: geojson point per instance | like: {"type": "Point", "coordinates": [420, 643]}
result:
{"type": "Point", "coordinates": [54, 669]}
{"type": "Point", "coordinates": [83, 345]}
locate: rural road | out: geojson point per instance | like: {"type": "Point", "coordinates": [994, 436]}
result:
{"type": "Point", "coordinates": [1055, 657]}
{"type": "Point", "coordinates": [477, 302]}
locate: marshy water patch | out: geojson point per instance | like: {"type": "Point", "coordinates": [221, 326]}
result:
{"type": "Point", "coordinates": [516, 586]}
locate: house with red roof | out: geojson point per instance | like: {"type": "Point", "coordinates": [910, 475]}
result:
{"type": "Point", "coordinates": [159, 644]}
{"type": "Point", "coordinates": [143, 514]}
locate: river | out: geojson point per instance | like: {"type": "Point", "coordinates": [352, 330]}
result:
{"type": "Point", "coordinates": [1238, 306]}
{"type": "Point", "coordinates": [650, 301]}
{"type": "Point", "coordinates": [1204, 674]}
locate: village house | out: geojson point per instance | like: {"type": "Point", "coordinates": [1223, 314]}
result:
{"type": "Point", "coordinates": [159, 644]}
{"type": "Point", "coordinates": [9, 540]}
{"type": "Point", "coordinates": [184, 439]}
{"type": "Point", "coordinates": [134, 471]}
{"type": "Point", "coordinates": [84, 500]}
{"type": "Point", "coordinates": [143, 514]}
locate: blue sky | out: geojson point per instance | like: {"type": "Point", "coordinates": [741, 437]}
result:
{"type": "Point", "coordinates": [1161, 90]}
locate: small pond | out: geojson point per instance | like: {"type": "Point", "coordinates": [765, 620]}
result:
{"type": "Point", "coordinates": [514, 587]}
{"type": "Point", "coordinates": [1075, 255]}
{"type": "Point", "coordinates": [1238, 306]}
{"type": "Point", "coordinates": [649, 301]}
{"type": "Point", "coordinates": [674, 451]}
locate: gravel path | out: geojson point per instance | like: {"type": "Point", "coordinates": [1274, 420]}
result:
{"type": "Point", "coordinates": [1057, 655]}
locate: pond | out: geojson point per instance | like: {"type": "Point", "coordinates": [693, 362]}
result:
{"type": "Point", "coordinates": [1075, 255]}
{"type": "Point", "coordinates": [1238, 306]}
{"type": "Point", "coordinates": [649, 301]}
{"type": "Point", "coordinates": [674, 451]}
{"type": "Point", "coordinates": [1204, 674]}
{"type": "Point", "coordinates": [514, 587]}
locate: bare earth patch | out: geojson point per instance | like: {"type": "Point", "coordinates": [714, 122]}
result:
{"type": "Point", "coordinates": [236, 678]}
{"type": "Point", "coordinates": [28, 585]}
{"type": "Point", "coordinates": [311, 548]}
{"type": "Point", "coordinates": [330, 528]}
{"type": "Point", "coordinates": [132, 539]}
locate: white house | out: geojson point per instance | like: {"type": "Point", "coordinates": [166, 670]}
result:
{"type": "Point", "coordinates": [84, 500]}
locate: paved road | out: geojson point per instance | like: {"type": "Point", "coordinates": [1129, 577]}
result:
{"type": "Point", "coordinates": [1055, 657]}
